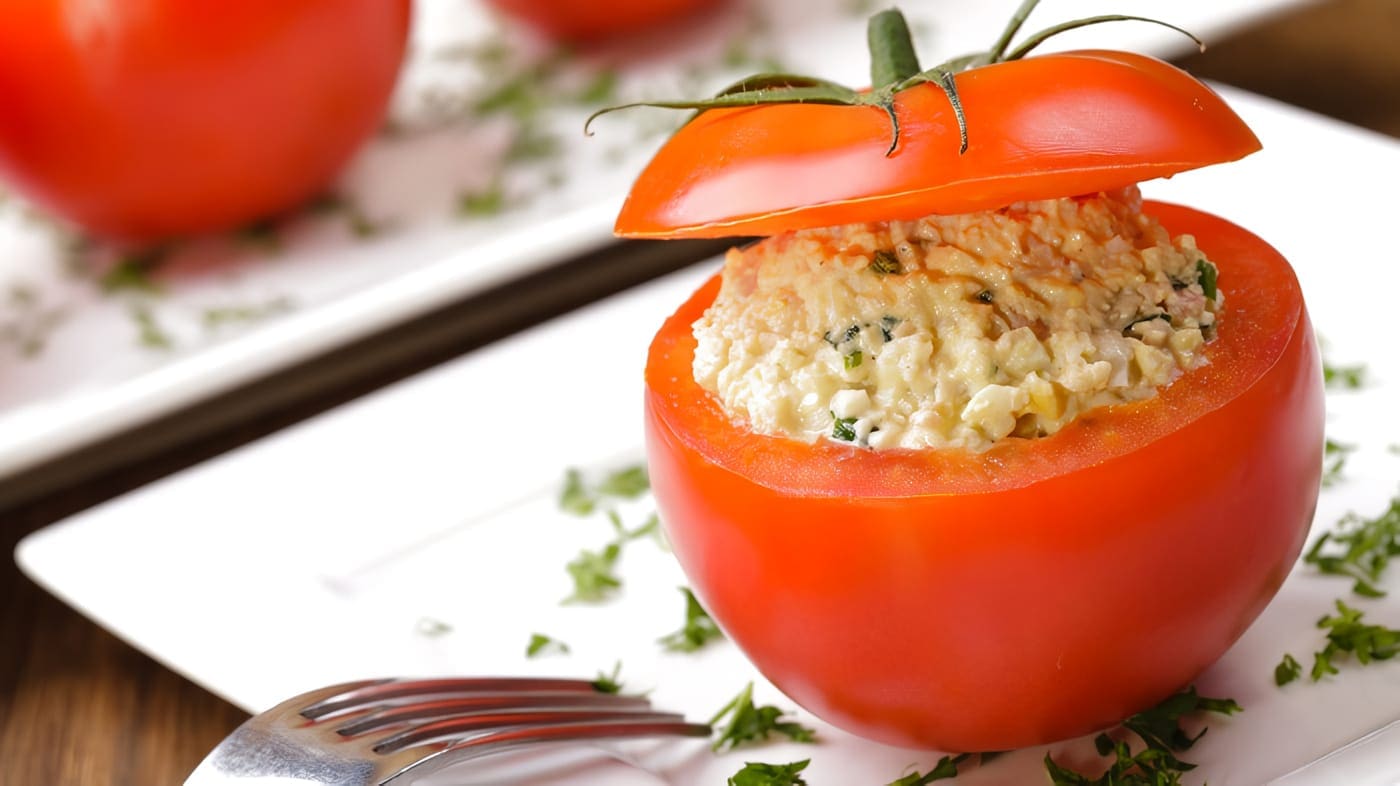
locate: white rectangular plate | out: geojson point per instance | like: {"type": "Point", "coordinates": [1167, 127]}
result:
{"type": "Point", "coordinates": [316, 555]}
{"type": "Point", "coordinates": [79, 363]}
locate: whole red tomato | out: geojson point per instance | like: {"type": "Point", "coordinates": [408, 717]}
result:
{"type": "Point", "coordinates": [143, 119]}
{"type": "Point", "coordinates": [1043, 588]}
{"type": "Point", "coordinates": [587, 20]}
{"type": "Point", "coordinates": [1039, 590]}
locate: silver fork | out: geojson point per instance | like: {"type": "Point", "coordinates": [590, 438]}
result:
{"type": "Point", "coordinates": [377, 732]}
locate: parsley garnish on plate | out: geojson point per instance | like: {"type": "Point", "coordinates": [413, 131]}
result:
{"type": "Point", "coordinates": [1344, 377]}
{"type": "Point", "coordinates": [1334, 458]}
{"type": "Point", "coordinates": [1287, 670]}
{"type": "Point", "coordinates": [749, 723]}
{"type": "Point", "coordinates": [1359, 548]}
{"type": "Point", "coordinates": [581, 499]}
{"type": "Point", "coordinates": [1160, 730]}
{"type": "Point", "coordinates": [757, 773]}
{"type": "Point", "coordinates": [594, 574]}
{"type": "Point", "coordinates": [609, 683]}
{"type": "Point", "coordinates": [699, 629]}
{"type": "Point", "coordinates": [1347, 634]}
{"type": "Point", "coordinates": [540, 644]}
{"type": "Point", "coordinates": [947, 767]}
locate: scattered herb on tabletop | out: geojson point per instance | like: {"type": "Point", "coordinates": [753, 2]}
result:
{"type": "Point", "coordinates": [149, 332]}
{"type": "Point", "coordinates": [1287, 670]}
{"type": "Point", "coordinates": [757, 773]}
{"type": "Point", "coordinates": [581, 499]}
{"type": "Point", "coordinates": [626, 483]}
{"type": "Point", "coordinates": [1160, 730]}
{"type": "Point", "coordinates": [1344, 377]}
{"type": "Point", "coordinates": [133, 272]}
{"type": "Point", "coordinates": [218, 317]}
{"type": "Point", "coordinates": [486, 202]}
{"type": "Point", "coordinates": [697, 631]}
{"type": "Point", "coordinates": [594, 574]}
{"type": "Point", "coordinates": [1359, 548]}
{"type": "Point", "coordinates": [1334, 459]}
{"type": "Point", "coordinates": [749, 723]}
{"type": "Point", "coordinates": [1347, 635]}
{"type": "Point", "coordinates": [947, 767]}
{"type": "Point", "coordinates": [540, 644]}
{"type": "Point", "coordinates": [609, 683]}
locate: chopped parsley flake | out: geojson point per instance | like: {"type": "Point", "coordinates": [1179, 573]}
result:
{"type": "Point", "coordinates": [541, 644]}
{"type": "Point", "coordinates": [1359, 548]}
{"type": "Point", "coordinates": [133, 272]}
{"type": "Point", "coordinates": [843, 428]}
{"type": "Point", "coordinates": [947, 767]}
{"type": "Point", "coordinates": [1334, 458]}
{"type": "Point", "coordinates": [1206, 275]}
{"type": "Point", "coordinates": [837, 339]}
{"type": "Point", "coordinates": [757, 773]}
{"type": "Point", "coordinates": [854, 359]}
{"type": "Point", "coordinates": [1160, 730]}
{"type": "Point", "coordinates": [594, 574]}
{"type": "Point", "coordinates": [218, 317]}
{"type": "Point", "coordinates": [748, 723]}
{"type": "Point", "coordinates": [1287, 670]}
{"type": "Point", "coordinates": [697, 631]}
{"type": "Point", "coordinates": [628, 483]}
{"type": "Point", "coordinates": [1347, 634]}
{"type": "Point", "coordinates": [1344, 377]}
{"type": "Point", "coordinates": [149, 333]}
{"type": "Point", "coordinates": [487, 202]}
{"type": "Point", "coordinates": [609, 683]}
{"type": "Point", "coordinates": [579, 498]}
{"type": "Point", "coordinates": [601, 89]}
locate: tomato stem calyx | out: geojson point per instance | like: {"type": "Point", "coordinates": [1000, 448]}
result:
{"type": "Point", "coordinates": [894, 67]}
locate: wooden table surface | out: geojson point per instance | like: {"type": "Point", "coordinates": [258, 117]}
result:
{"type": "Point", "coordinates": [78, 706]}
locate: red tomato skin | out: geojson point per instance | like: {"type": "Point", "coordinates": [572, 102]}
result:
{"type": "Point", "coordinates": [589, 20]}
{"type": "Point", "coordinates": [1039, 128]}
{"type": "Point", "coordinates": [146, 119]}
{"type": "Point", "coordinates": [1036, 592]}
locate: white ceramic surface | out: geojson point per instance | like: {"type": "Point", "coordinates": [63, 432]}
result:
{"type": "Point", "coordinates": [317, 554]}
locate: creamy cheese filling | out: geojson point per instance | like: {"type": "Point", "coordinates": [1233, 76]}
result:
{"type": "Point", "coordinates": [956, 330]}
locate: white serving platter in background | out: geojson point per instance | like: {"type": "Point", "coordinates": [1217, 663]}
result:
{"type": "Point", "coordinates": [317, 554]}
{"type": "Point", "coordinates": [80, 363]}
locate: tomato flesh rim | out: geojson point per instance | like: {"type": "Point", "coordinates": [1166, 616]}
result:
{"type": "Point", "coordinates": [1263, 306]}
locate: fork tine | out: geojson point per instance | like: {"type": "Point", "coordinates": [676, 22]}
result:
{"type": "Point", "coordinates": [451, 731]}
{"type": "Point", "coordinates": [387, 717]}
{"type": "Point", "coordinates": [506, 739]}
{"type": "Point", "coordinates": [360, 695]}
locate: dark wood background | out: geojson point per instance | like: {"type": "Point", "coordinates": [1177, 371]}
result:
{"type": "Point", "coordinates": [78, 706]}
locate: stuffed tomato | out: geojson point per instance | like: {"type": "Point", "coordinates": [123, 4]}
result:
{"type": "Point", "coordinates": [978, 450]}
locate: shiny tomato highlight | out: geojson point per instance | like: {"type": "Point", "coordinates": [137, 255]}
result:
{"type": "Point", "coordinates": [1037, 591]}
{"type": "Point", "coordinates": [145, 119]}
{"type": "Point", "coordinates": [1039, 128]}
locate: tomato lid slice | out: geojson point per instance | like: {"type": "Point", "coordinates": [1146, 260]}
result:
{"type": "Point", "coordinates": [1038, 128]}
